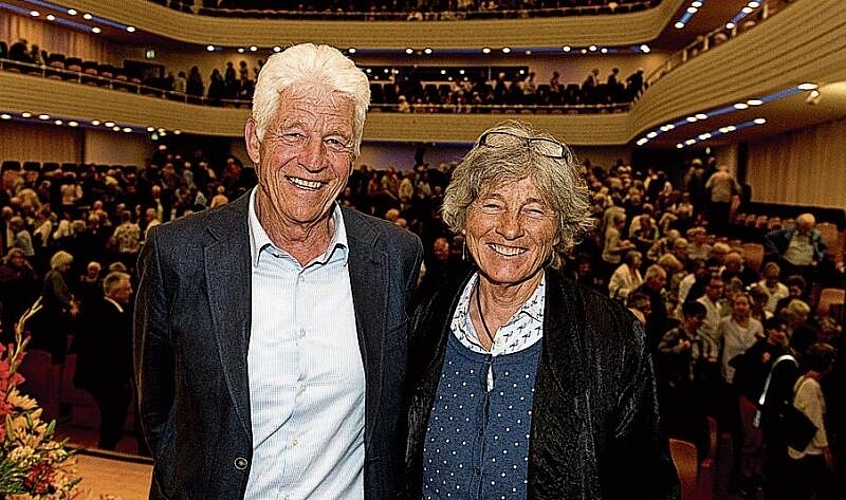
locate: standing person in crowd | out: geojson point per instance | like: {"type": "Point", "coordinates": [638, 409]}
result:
{"type": "Point", "coordinates": [249, 315]}
{"type": "Point", "coordinates": [552, 382]}
{"type": "Point", "coordinates": [60, 308]}
{"type": "Point", "coordinates": [722, 187]}
{"type": "Point", "coordinates": [811, 469]}
{"type": "Point", "coordinates": [18, 290]}
{"type": "Point", "coordinates": [626, 277]}
{"type": "Point", "coordinates": [104, 355]}
{"type": "Point", "coordinates": [770, 284]}
{"type": "Point", "coordinates": [799, 249]}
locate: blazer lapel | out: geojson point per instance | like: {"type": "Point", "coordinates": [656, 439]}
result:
{"type": "Point", "coordinates": [369, 284]}
{"type": "Point", "coordinates": [228, 278]}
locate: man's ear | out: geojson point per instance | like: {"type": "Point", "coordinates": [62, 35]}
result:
{"type": "Point", "coordinates": [252, 141]}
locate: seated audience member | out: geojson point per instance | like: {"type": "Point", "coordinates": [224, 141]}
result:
{"type": "Point", "coordinates": [797, 288]}
{"type": "Point", "coordinates": [719, 251]}
{"type": "Point", "coordinates": [615, 246]}
{"type": "Point", "coordinates": [662, 245]}
{"type": "Point", "coordinates": [626, 277]}
{"type": "Point", "coordinates": [798, 249]}
{"type": "Point", "coordinates": [735, 267]}
{"type": "Point", "coordinates": [698, 247]}
{"type": "Point", "coordinates": [771, 285]}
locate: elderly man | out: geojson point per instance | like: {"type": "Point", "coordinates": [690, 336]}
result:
{"type": "Point", "coordinates": [270, 333]}
{"type": "Point", "coordinates": [798, 249]}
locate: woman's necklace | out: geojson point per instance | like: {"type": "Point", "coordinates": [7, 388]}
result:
{"type": "Point", "coordinates": [482, 316]}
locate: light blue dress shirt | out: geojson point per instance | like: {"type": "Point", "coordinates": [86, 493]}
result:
{"type": "Point", "coordinates": [305, 372]}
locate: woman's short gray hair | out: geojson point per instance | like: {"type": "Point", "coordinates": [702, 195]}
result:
{"type": "Point", "coordinates": [558, 179]}
{"type": "Point", "coordinates": [60, 259]}
{"type": "Point", "coordinates": [306, 65]}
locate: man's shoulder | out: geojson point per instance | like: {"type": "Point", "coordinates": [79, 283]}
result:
{"type": "Point", "coordinates": [224, 218]}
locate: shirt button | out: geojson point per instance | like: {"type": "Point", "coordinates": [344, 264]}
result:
{"type": "Point", "coordinates": [301, 279]}
{"type": "Point", "coordinates": [241, 463]}
{"type": "Point", "coordinates": [302, 332]}
{"type": "Point", "coordinates": [477, 471]}
{"type": "Point", "coordinates": [296, 442]}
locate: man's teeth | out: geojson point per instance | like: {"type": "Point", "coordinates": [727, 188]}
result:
{"type": "Point", "coordinates": [304, 183]}
{"type": "Point", "coordinates": [507, 251]}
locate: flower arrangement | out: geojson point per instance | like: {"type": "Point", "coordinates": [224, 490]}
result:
{"type": "Point", "coordinates": [32, 464]}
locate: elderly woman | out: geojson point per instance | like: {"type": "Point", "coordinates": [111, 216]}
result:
{"type": "Point", "coordinates": [522, 383]}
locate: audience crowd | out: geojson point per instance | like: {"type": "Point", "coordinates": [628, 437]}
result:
{"type": "Point", "coordinates": [406, 93]}
{"type": "Point", "coordinates": [716, 317]}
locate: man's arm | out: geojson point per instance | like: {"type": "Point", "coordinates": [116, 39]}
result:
{"type": "Point", "coordinates": [154, 370]}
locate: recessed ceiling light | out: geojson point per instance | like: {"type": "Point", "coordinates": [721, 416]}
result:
{"type": "Point", "coordinates": [652, 135]}
{"type": "Point", "coordinates": [6, 116]}
{"type": "Point", "coordinates": [566, 48]}
{"type": "Point", "coordinates": [443, 71]}
{"type": "Point", "coordinates": [150, 129]}
{"type": "Point", "coordinates": [72, 12]}
{"type": "Point", "coordinates": [277, 49]}
{"type": "Point", "coordinates": [73, 123]}
{"type": "Point", "coordinates": [645, 49]}
{"type": "Point", "coordinates": [506, 50]}
{"type": "Point", "coordinates": [701, 116]}
{"type": "Point", "coordinates": [528, 52]}
{"type": "Point", "coordinates": [116, 128]}
{"type": "Point", "coordinates": [592, 48]}
{"type": "Point", "coordinates": [177, 132]}
{"type": "Point", "coordinates": [730, 26]}
{"type": "Point", "coordinates": [486, 50]}
{"type": "Point", "coordinates": [747, 10]}
{"type": "Point", "coordinates": [96, 29]}
{"type": "Point", "coordinates": [351, 50]}
{"type": "Point", "coordinates": [127, 129]}
{"type": "Point", "coordinates": [696, 4]}
{"type": "Point", "coordinates": [642, 141]}
{"type": "Point", "coordinates": [583, 51]}
{"type": "Point", "coordinates": [692, 119]}
{"type": "Point", "coordinates": [679, 25]}
{"type": "Point", "coordinates": [58, 122]}
{"type": "Point", "coordinates": [43, 116]}
{"type": "Point", "coordinates": [130, 29]}
{"type": "Point", "coordinates": [807, 86]}
{"type": "Point", "coordinates": [240, 50]}
{"type": "Point", "coordinates": [461, 72]}
{"type": "Point", "coordinates": [753, 4]}
{"type": "Point", "coordinates": [725, 130]}
{"type": "Point", "coordinates": [253, 48]}
{"type": "Point", "coordinates": [741, 105]}
{"type": "Point", "coordinates": [760, 121]}
{"type": "Point", "coordinates": [690, 142]}
{"type": "Point", "coordinates": [109, 124]}
{"type": "Point", "coordinates": [368, 71]}
{"type": "Point", "coordinates": [87, 16]}
{"type": "Point", "coordinates": [50, 17]}
{"type": "Point", "coordinates": [692, 10]}
{"type": "Point", "coordinates": [210, 48]}
{"type": "Point", "coordinates": [95, 122]}
{"type": "Point", "coordinates": [705, 136]}
{"type": "Point", "coordinates": [603, 50]}
{"type": "Point", "coordinates": [34, 13]}
{"type": "Point", "coordinates": [26, 114]}
{"type": "Point", "coordinates": [754, 102]}
{"type": "Point", "coordinates": [679, 146]}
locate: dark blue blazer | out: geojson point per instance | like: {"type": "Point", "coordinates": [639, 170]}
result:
{"type": "Point", "coordinates": [192, 331]}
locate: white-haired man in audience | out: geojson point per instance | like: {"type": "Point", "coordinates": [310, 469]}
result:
{"type": "Point", "coordinates": [270, 332]}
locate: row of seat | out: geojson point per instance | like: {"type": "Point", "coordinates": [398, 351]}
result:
{"type": "Point", "coordinates": [51, 166]}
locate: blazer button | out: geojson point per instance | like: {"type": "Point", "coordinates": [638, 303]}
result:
{"type": "Point", "coordinates": [241, 463]}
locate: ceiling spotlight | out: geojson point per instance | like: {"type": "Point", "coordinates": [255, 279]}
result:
{"type": "Point", "coordinates": [701, 116]}
{"type": "Point", "coordinates": [807, 86]}
{"type": "Point", "coordinates": [73, 123]}
{"type": "Point", "coordinates": [210, 48]}
{"type": "Point", "coordinates": [34, 13]}
{"type": "Point", "coordinates": [603, 50]}
{"type": "Point", "coordinates": [692, 119]}
{"type": "Point", "coordinates": [645, 49]}
{"type": "Point", "coordinates": [109, 124]}
{"type": "Point", "coordinates": [277, 49]}
{"type": "Point", "coordinates": [127, 129]}
{"type": "Point", "coordinates": [87, 16]}
{"type": "Point", "coordinates": [705, 136]}
{"type": "Point", "coordinates": [754, 102]}
{"type": "Point", "coordinates": [642, 141]}
{"type": "Point", "coordinates": [486, 50]}
{"type": "Point", "coordinates": [26, 114]}
{"type": "Point", "coordinates": [350, 50]}
{"type": "Point", "coordinates": [583, 51]}
{"type": "Point", "coordinates": [6, 116]}
{"type": "Point", "coordinates": [528, 52]}
{"type": "Point", "coordinates": [506, 50]}
{"type": "Point", "coordinates": [96, 29]}
{"type": "Point", "coordinates": [679, 25]}
{"type": "Point", "coordinates": [696, 4]}
{"type": "Point", "coordinates": [177, 132]}
{"type": "Point", "coordinates": [732, 128]}
{"type": "Point", "coordinates": [760, 121]}
{"type": "Point", "coordinates": [725, 130]}
{"type": "Point", "coordinates": [690, 142]}
{"type": "Point", "coordinates": [741, 105]}
{"type": "Point", "coordinates": [461, 72]}
{"type": "Point", "coordinates": [652, 135]}
{"type": "Point", "coordinates": [240, 50]}
{"type": "Point", "coordinates": [116, 128]}
{"type": "Point", "coordinates": [814, 97]}
{"type": "Point", "coordinates": [747, 10]}
{"type": "Point", "coordinates": [130, 29]}
{"type": "Point", "coordinates": [754, 5]}
{"type": "Point", "coordinates": [150, 129]}
{"type": "Point", "coordinates": [253, 48]}
{"type": "Point", "coordinates": [427, 51]}
{"type": "Point", "coordinates": [96, 123]}
{"type": "Point", "coordinates": [692, 10]}
{"type": "Point", "coordinates": [72, 12]}
{"type": "Point", "coordinates": [592, 48]}
{"type": "Point", "coordinates": [51, 17]}
{"type": "Point", "coordinates": [679, 146]}
{"type": "Point", "coordinates": [730, 26]}
{"type": "Point", "coordinates": [43, 117]}
{"type": "Point", "coordinates": [566, 48]}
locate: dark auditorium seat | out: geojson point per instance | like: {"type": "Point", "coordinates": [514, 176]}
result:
{"type": "Point", "coordinates": [10, 165]}
{"type": "Point", "coordinates": [90, 68]}
{"type": "Point", "coordinates": [32, 166]}
{"type": "Point", "coordinates": [50, 166]}
{"type": "Point", "coordinates": [73, 64]}
{"type": "Point", "coordinates": [69, 167]}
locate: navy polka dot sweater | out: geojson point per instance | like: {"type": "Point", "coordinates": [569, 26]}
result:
{"type": "Point", "coordinates": [477, 441]}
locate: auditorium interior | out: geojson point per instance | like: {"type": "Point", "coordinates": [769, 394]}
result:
{"type": "Point", "coordinates": [649, 94]}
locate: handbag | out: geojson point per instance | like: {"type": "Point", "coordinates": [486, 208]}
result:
{"type": "Point", "coordinates": [797, 427]}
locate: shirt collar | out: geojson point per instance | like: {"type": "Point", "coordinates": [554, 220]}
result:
{"type": "Point", "coordinates": [260, 241]}
{"type": "Point", "coordinates": [119, 307]}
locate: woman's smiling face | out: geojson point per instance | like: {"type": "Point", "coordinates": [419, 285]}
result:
{"type": "Point", "coordinates": [511, 231]}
